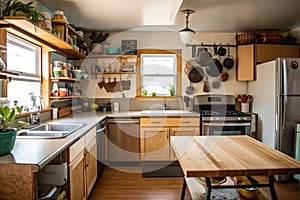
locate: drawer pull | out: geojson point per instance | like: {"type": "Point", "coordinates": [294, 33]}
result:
{"type": "Point", "coordinates": [186, 122]}
{"type": "Point", "coordinates": [155, 122]}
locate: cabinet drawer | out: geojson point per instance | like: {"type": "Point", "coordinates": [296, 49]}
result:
{"type": "Point", "coordinates": [90, 136]}
{"type": "Point", "coordinates": [76, 148]}
{"type": "Point", "coordinates": [185, 121]}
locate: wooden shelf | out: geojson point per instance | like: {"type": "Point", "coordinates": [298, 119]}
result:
{"type": "Point", "coordinates": [108, 73]}
{"type": "Point", "coordinates": [58, 79]}
{"type": "Point", "coordinates": [110, 56]}
{"type": "Point", "coordinates": [21, 25]}
{"type": "Point", "coordinates": [65, 97]}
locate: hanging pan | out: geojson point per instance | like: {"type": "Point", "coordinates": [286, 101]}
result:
{"type": "Point", "coordinates": [228, 62]}
{"type": "Point", "coordinates": [215, 68]}
{"type": "Point", "coordinates": [203, 57]}
{"type": "Point", "coordinates": [196, 74]}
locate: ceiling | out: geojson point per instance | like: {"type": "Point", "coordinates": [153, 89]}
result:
{"type": "Point", "coordinates": [165, 15]}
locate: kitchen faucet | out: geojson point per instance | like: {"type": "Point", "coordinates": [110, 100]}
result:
{"type": "Point", "coordinates": [165, 105]}
{"type": "Point", "coordinates": [35, 118]}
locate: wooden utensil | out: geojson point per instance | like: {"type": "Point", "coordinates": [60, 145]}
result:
{"type": "Point", "coordinates": [206, 85]}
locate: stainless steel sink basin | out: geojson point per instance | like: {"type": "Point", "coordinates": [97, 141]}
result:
{"type": "Point", "coordinates": [51, 130]}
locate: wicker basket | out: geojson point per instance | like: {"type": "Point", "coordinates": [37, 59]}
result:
{"type": "Point", "coordinates": [7, 141]}
{"type": "Point", "coordinates": [245, 38]}
{"type": "Point", "coordinates": [258, 38]}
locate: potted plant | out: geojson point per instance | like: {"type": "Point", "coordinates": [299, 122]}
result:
{"type": "Point", "coordinates": [17, 8]}
{"type": "Point", "coordinates": [96, 39]}
{"type": "Point", "coordinates": [172, 90]}
{"type": "Point", "coordinates": [8, 121]}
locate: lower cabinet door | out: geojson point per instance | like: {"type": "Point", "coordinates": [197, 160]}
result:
{"type": "Point", "coordinates": [154, 144]}
{"type": "Point", "coordinates": [91, 166]}
{"type": "Point", "coordinates": [77, 178]}
{"type": "Point", "coordinates": [182, 131]}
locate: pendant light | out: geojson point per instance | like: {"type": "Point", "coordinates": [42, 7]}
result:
{"type": "Point", "coordinates": [187, 35]}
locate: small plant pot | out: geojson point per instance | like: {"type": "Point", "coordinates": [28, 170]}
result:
{"type": "Point", "coordinates": [7, 141]}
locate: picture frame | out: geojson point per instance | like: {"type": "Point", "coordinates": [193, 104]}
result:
{"type": "Point", "coordinates": [129, 47]}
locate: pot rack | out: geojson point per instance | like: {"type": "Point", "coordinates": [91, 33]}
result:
{"type": "Point", "coordinates": [194, 46]}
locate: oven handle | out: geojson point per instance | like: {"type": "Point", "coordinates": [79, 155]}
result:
{"type": "Point", "coordinates": [227, 124]}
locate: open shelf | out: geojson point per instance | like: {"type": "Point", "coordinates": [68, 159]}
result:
{"type": "Point", "coordinates": [21, 25]}
{"type": "Point", "coordinates": [58, 79]}
{"type": "Point", "coordinates": [65, 97]}
{"type": "Point", "coordinates": [108, 73]}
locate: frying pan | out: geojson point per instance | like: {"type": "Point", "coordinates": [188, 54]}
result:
{"type": "Point", "coordinates": [228, 62]}
{"type": "Point", "coordinates": [196, 74]}
{"type": "Point", "coordinates": [215, 68]}
{"type": "Point", "coordinates": [189, 89]}
{"type": "Point", "coordinates": [222, 51]}
{"type": "Point", "coordinates": [203, 57]}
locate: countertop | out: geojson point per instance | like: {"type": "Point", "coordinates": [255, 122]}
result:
{"type": "Point", "coordinates": [41, 151]}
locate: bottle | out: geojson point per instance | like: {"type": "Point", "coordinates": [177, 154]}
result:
{"type": "Point", "coordinates": [101, 106]}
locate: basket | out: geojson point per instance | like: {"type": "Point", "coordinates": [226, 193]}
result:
{"type": "Point", "coordinates": [7, 141]}
{"type": "Point", "coordinates": [245, 38]}
{"type": "Point", "coordinates": [258, 38]}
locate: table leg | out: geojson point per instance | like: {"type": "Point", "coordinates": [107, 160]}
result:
{"type": "Point", "coordinates": [272, 188]}
{"type": "Point", "coordinates": [208, 185]}
{"type": "Point", "coordinates": [183, 189]}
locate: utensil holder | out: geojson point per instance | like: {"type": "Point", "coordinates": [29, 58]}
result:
{"type": "Point", "coordinates": [245, 107]}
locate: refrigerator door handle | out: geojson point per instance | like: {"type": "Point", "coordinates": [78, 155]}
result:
{"type": "Point", "coordinates": [284, 81]}
{"type": "Point", "coordinates": [283, 111]}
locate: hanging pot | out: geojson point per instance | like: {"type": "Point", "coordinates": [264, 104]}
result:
{"type": "Point", "coordinates": [224, 76]}
{"type": "Point", "coordinates": [215, 68]}
{"type": "Point", "coordinates": [196, 74]}
{"type": "Point", "coordinates": [203, 57]}
{"type": "Point", "coordinates": [228, 62]}
{"type": "Point", "coordinates": [189, 89]}
{"type": "Point", "coordinates": [222, 51]}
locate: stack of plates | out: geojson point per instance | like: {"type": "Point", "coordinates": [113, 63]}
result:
{"type": "Point", "coordinates": [47, 18]}
{"type": "Point", "coordinates": [128, 68]}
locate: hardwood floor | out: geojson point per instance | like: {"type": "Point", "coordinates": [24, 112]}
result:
{"type": "Point", "coordinates": [116, 184]}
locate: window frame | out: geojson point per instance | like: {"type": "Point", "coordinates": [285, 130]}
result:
{"type": "Point", "coordinates": [178, 79]}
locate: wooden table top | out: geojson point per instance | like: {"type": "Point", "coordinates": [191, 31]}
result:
{"type": "Point", "coordinates": [216, 156]}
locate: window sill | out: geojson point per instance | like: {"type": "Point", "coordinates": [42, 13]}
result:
{"type": "Point", "coordinates": [156, 97]}
{"type": "Point", "coordinates": [24, 114]}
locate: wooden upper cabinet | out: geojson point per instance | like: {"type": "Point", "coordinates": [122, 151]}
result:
{"type": "Point", "coordinates": [250, 55]}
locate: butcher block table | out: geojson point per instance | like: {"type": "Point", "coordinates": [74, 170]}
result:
{"type": "Point", "coordinates": [219, 156]}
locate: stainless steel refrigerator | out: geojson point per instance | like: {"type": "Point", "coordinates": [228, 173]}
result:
{"type": "Point", "coordinates": [276, 99]}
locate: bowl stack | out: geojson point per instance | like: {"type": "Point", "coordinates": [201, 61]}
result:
{"type": "Point", "coordinates": [47, 18]}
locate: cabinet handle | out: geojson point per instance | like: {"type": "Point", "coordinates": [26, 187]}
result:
{"type": "Point", "coordinates": [186, 122]}
{"type": "Point", "coordinates": [155, 122]}
{"type": "Point", "coordinates": [87, 156]}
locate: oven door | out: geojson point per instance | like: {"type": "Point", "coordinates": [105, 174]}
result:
{"type": "Point", "coordinates": [226, 128]}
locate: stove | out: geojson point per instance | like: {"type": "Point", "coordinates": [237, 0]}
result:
{"type": "Point", "coordinates": [218, 115]}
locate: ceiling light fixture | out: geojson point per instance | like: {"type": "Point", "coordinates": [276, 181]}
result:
{"type": "Point", "coordinates": [187, 35]}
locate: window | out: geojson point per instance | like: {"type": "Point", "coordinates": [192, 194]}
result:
{"type": "Point", "coordinates": [160, 73]}
{"type": "Point", "coordinates": [24, 58]}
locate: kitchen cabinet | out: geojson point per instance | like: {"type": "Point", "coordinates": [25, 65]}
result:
{"type": "Point", "coordinates": [83, 166]}
{"type": "Point", "coordinates": [156, 132]}
{"type": "Point", "coordinates": [182, 131]}
{"type": "Point", "coordinates": [249, 55]}
{"type": "Point", "coordinates": [154, 143]}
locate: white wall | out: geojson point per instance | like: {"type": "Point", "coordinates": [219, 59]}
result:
{"type": "Point", "coordinates": [170, 40]}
